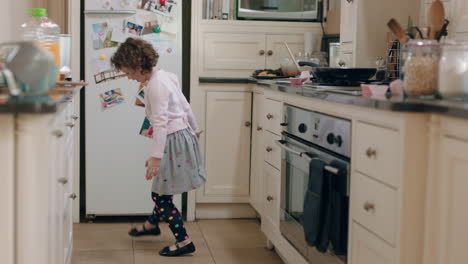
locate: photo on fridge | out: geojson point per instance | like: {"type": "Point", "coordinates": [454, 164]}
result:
{"type": "Point", "coordinates": [102, 36]}
{"type": "Point", "coordinates": [111, 98]}
{"type": "Point", "coordinates": [134, 29]}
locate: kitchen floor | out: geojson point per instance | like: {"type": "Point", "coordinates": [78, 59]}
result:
{"type": "Point", "coordinates": [217, 242]}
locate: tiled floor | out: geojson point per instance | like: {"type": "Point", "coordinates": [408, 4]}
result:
{"type": "Point", "coordinates": [217, 242]}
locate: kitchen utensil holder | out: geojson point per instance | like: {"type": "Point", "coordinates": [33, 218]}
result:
{"type": "Point", "coordinates": [393, 60]}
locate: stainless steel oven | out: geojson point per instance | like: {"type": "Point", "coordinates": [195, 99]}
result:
{"type": "Point", "coordinates": [315, 184]}
{"type": "Point", "coordinates": [301, 10]}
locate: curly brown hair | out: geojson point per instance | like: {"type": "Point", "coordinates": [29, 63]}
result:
{"type": "Point", "coordinates": [135, 53]}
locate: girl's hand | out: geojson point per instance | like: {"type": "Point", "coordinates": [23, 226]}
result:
{"type": "Point", "coordinates": [152, 167]}
{"type": "Point", "coordinates": [198, 134]}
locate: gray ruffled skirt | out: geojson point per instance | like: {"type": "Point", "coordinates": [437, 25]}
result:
{"type": "Point", "coordinates": [182, 168]}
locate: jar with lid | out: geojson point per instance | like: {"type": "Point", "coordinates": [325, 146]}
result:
{"type": "Point", "coordinates": [420, 71]}
{"type": "Point", "coordinates": [453, 69]}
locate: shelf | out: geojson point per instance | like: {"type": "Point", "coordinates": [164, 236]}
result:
{"type": "Point", "coordinates": [110, 12]}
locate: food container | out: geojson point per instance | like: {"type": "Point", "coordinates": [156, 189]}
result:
{"type": "Point", "coordinates": [420, 71]}
{"type": "Point", "coordinates": [453, 69]}
{"type": "Point", "coordinates": [288, 67]}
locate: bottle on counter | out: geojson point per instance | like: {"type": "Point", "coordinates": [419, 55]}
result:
{"type": "Point", "coordinates": [453, 69]}
{"type": "Point", "coordinates": [45, 32]}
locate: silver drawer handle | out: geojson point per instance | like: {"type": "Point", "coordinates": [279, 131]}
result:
{"type": "Point", "coordinates": [270, 198]}
{"type": "Point", "coordinates": [70, 124]}
{"type": "Point", "coordinates": [72, 196]}
{"type": "Point", "coordinates": [248, 124]}
{"type": "Point", "coordinates": [306, 156]}
{"type": "Point", "coordinates": [63, 180]}
{"type": "Point", "coordinates": [269, 149]}
{"type": "Point", "coordinates": [371, 153]}
{"type": "Point", "coordinates": [75, 116]}
{"type": "Point", "coordinates": [369, 206]}
{"type": "Point", "coordinates": [259, 128]}
{"type": "Point", "coordinates": [58, 133]}
{"type": "Point", "coordinates": [269, 116]}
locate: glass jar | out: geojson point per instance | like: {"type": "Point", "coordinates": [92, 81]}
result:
{"type": "Point", "coordinates": [420, 70]}
{"type": "Point", "coordinates": [453, 69]}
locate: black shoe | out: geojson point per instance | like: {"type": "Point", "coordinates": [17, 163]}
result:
{"type": "Point", "coordinates": [180, 251]}
{"type": "Point", "coordinates": [151, 232]}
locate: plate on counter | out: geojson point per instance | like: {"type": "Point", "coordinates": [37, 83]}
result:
{"type": "Point", "coordinates": [263, 77]}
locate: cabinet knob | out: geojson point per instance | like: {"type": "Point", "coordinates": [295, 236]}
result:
{"type": "Point", "coordinates": [73, 196]}
{"type": "Point", "coordinates": [269, 149]}
{"type": "Point", "coordinates": [70, 124]}
{"type": "Point", "coordinates": [261, 52]}
{"type": "Point", "coordinates": [270, 52]}
{"type": "Point", "coordinates": [349, 1]}
{"type": "Point", "coordinates": [75, 116]}
{"type": "Point", "coordinates": [63, 180]}
{"type": "Point", "coordinates": [248, 124]}
{"type": "Point", "coordinates": [342, 63]}
{"type": "Point", "coordinates": [270, 198]}
{"type": "Point", "coordinates": [371, 153]}
{"type": "Point", "coordinates": [58, 133]}
{"type": "Point", "coordinates": [369, 206]}
{"type": "Point", "coordinates": [269, 116]}
{"type": "Point", "coordinates": [259, 128]}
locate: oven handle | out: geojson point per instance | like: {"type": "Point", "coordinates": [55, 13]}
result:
{"type": "Point", "coordinates": [305, 155]}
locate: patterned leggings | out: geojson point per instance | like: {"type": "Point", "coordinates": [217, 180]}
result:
{"type": "Point", "coordinates": [165, 210]}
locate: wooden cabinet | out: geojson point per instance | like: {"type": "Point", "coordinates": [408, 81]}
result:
{"type": "Point", "coordinates": [368, 249]}
{"type": "Point", "coordinates": [446, 215]}
{"type": "Point", "coordinates": [271, 199]}
{"type": "Point", "coordinates": [39, 203]}
{"type": "Point", "coordinates": [227, 153]}
{"type": "Point", "coordinates": [256, 163]}
{"type": "Point", "coordinates": [364, 26]}
{"type": "Point", "coordinates": [240, 53]}
{"type": "Point", "coordinates": [454, 197]}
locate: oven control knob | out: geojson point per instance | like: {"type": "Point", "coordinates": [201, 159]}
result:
{"type": "Point", "coordinates": [331, 138]}
{"type": "Point", "coordinates": [339, 141]}
{"type": "Point", "coordinates": [302, 128]}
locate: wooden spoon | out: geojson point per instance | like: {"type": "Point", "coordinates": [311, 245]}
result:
{"type": "Point", "coordinates": [436, 18]}
{"type": "Point", "coordinates": [398, 31]}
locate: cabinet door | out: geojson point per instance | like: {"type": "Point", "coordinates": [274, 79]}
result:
{"type": "Point", "coordinates": [233, 51]}
{"type": "Point", "coordinates": [368, 249]}
{"type": "Point", "coordinates": [256, 164]}
{"type": "Point", "coordinates": [453, 200]}
{"type": "Point", "coordinates": [348, 20]}
{"type": "Point", "coordinates": [277, 51]}
{"type": "Point", "coordinates": [271, 198]}
{"type": "Point", "coordinates": [228, 127]}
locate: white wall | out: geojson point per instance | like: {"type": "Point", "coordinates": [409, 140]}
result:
{"type": "Point", "coordinates": [456, 11]}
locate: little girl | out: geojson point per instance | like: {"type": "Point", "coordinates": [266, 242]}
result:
{"type": "Point", "coordinates": [175, 164]}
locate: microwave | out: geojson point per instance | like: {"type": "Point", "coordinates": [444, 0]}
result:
{"type": "Point", "coordinates": [288, 10]}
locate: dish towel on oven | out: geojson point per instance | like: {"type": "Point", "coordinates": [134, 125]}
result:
{"type": "Point", "coordinates": [326, 208]}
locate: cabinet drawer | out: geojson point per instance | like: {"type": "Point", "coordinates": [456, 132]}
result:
{"type": "Point", "coordinates": [374, 205]}
{"type": "Point", "coordinates": [366, 248]}
{"type": "Point", "coordinates": [273, 116]}
{"type": "Point", "coordinates": [272, 152]}
{"type": "Point", "coordinates": [271, 197]}
{"type": "Point", "coordinates": [378, 152]}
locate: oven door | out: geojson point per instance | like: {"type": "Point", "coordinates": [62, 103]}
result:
{"type": "Point", "coordinates": [296, 158]}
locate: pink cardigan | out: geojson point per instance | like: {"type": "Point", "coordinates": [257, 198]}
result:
{"type": "Point", "coordinates": [167, 109]}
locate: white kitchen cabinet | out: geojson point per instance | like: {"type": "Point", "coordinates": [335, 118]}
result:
{"type": "Point", "coordinates": [271, 200]}
{"type": "Point", "coordinates": [446, 216]}
{"type": "Point", "coordinates": [273, 115]}
{"type": "Point", "coordinates": [256, 163]}
{"type": "Point", "coordinates": [240, 53]}
{"type": "Point", "coordinates": [368, 249]}
{"type": "Point", "coordinates": [227, 153]}
{"type": "Point", "coordinates": [38, 205]}
{"type": "Point", "coordinates": [364, 26]}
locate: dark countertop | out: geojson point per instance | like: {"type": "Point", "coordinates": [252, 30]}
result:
{"type": "Point", "coordinates": [39, 104]}
{"type": "Point", "coordinates": [226, 80]}
{"type": "Point", "coordinates": [395, 104]}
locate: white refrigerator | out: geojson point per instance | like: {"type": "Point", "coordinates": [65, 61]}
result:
{"type": "Point", "coordinates": [115, 152]}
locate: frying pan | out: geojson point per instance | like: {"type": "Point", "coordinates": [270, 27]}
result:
{"type": "Point", "coordinates": [331, 75]}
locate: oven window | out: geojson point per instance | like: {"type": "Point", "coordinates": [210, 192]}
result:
{"type": "Point", "coordinates": [280, 5]}
{"type": "Point", "coordinates": [295, 187]}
